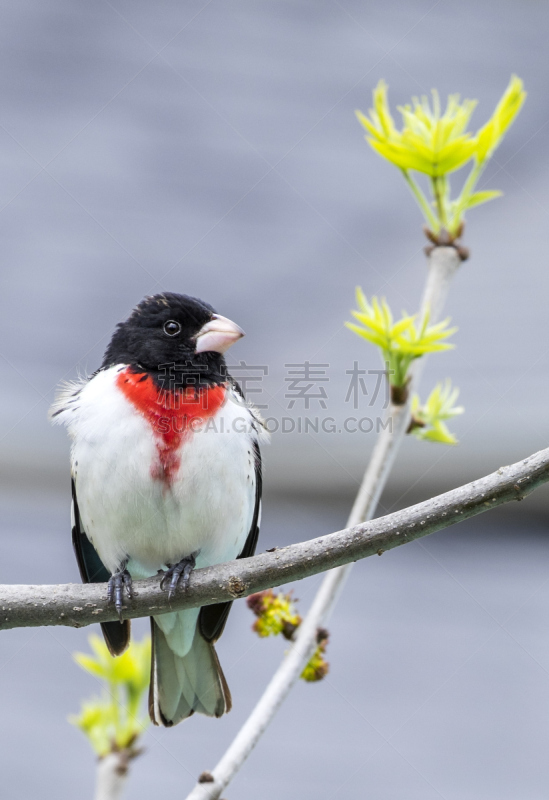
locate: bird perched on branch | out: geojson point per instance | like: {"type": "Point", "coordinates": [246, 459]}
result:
{"type": "Point", "coordinates": [166, 475]}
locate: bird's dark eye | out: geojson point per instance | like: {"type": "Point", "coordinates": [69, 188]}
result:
{"type": "Point", "coordinates": [172, 328]}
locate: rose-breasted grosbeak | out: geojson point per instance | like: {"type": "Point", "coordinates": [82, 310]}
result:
{"type": "Point", "coordinates": [166, 475]}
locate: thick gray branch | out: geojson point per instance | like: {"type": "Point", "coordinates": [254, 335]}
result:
{"type": "Point", "coordinates": [76, 605]}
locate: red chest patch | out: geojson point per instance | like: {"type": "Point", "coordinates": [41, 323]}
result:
{"type": "Point", "coordinates": [171, 415]}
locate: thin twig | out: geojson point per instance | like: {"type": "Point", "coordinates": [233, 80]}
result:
{"type": "Point", "coordinates": [111, 775]}
{"type": "Point", "coordinates": [443, 263]}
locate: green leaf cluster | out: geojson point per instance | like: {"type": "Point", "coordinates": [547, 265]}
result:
{"type": "Point", "coordinates": [429, 420]}
{"type": "Point", "coordinates": [429, 142]}
{"type": "Point", "coordinates": [317, 667]}
{"type": "Point", "coordinates": [113, 721]}
{"type": "Point", "coordinates": [400, 343]}
{"type": "Point", "coordinates": [437, 143]}
{"type": "Point", "coordinates": [276, 613]}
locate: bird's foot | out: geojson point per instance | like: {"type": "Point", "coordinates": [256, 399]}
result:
{"type": "Point", "coordinates": [120, 581]}
{"type": "Point", "coordinates": [178, 574]}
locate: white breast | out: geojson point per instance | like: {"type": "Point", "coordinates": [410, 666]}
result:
{"type": "Point", "coordinates": [127, 513]}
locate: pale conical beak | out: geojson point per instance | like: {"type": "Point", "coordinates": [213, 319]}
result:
{"type": "Point", "coordinates": [217, 335]}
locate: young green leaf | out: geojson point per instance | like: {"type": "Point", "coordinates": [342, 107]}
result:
{"type": "Point", "coordinates": [482, 197]}
{"type": "Point", "coordinates": [399, 342]}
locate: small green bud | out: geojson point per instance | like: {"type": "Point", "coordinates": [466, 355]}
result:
{"type": "Point", "coordinates": [429, 421]}
{"type": "Point", "coordinates": [317, 667]}
{"type": "Point", "coordinates": [113, 722]}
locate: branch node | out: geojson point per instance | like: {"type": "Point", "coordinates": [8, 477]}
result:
{"type": "Point", "coordinates": [236, 586]}
{"type": "Point", "coordinates": [445, 239]}
{"type": "Point", "coordinates": [399, 394]}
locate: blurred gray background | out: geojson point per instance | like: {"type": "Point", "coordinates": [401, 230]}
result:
{"type": "Point", "coordinates": [211, 148]}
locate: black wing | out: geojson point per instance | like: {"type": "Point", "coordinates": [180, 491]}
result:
{"type": "Point", "coordinates": [92, 570]}
{"type": "Point", "coordinates": [212, 618]}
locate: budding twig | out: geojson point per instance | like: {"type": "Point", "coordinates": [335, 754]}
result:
{"type": "Point", "coordinates": [443, 263]}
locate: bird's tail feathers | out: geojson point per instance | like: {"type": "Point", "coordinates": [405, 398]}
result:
{"type": "Point", "coordinates": [117, 636]}
{"type": "Point", "coordinates": [182, 685]}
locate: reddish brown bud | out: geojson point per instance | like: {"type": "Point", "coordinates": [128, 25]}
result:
{"type": "Point", "coordinates": [255, 602]}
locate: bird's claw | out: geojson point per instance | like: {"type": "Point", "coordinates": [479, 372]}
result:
{"type": "Point", "coordinates": [120, 581]}
{"type": "Point", "coordinates": [178, 574]}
